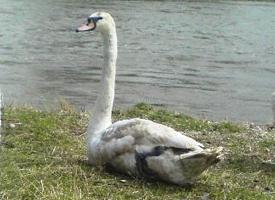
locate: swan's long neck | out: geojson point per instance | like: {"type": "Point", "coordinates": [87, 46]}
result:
{"type": "Point", "coordinates": [102, 115]}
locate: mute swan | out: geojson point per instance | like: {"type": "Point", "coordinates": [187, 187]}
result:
{"type": "Point", "coordinates": [138, 147]}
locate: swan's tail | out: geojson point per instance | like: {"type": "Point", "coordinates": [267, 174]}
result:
{"type": "Point", "coordinates": [176, 165]}
{"type": "Point", "coordinates": [208, 155]}
{"type": "Point", "coordinates": [194, 163]}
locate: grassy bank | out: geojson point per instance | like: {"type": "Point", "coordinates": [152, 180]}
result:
{"type": "Point", "coordinates": [43, 157]}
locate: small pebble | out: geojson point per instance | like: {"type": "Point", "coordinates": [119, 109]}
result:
{"type": "Point", "coordinates": [12, 125]}
{"type": "Point", "coordinates": [205, 196]}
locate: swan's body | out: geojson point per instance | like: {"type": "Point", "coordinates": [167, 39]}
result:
{"type": "Point", "coordinates": [138, 147]}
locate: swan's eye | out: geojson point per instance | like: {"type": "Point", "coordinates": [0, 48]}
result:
{"type": "Point", "coordinates": [97, 18]}
{"type": "Point", "coordinates": [94, 19]}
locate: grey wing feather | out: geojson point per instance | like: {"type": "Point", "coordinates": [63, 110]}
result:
{"type": "Point", "coordinates": [144, 134]}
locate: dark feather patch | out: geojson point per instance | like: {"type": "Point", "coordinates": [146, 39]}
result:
{"type": "Point", "coordinates": [141, 163]}
{"type": "Point", "coordinates": [179, 151]}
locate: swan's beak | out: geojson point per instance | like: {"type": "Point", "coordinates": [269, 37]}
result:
{"type": "Point", "coordinates": [86, 27]}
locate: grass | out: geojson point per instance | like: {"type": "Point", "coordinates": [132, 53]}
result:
{"type": "Point", "coordinates": [43, 157]}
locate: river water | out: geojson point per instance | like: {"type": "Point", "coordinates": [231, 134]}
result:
{"type": "Point", "coordinates": [209, 60]}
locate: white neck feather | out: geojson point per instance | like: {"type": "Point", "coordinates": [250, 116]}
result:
{"type": "Point", "coordinates": [102, 115]}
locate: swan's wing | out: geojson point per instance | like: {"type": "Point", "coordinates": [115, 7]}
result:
{"type": "Point", "coordinates": [150, 133]}
{"type": "Point", "coordinates": [139, 135]}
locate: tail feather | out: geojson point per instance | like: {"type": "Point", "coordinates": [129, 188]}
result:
{"type": "Point", "coordinates": [194, 163]}
{"type": "Point", "coordinates": [207, 153]}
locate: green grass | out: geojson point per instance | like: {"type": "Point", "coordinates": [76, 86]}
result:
{"type": "Point", "coordinates": [44, 157]}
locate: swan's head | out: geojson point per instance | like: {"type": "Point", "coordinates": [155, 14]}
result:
{"type": "Point", "coordinates": [100, 21]}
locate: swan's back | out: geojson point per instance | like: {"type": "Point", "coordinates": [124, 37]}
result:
{"type": "Point", "coordinates": [146, 132]}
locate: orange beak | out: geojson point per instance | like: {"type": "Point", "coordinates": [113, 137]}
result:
{"type": "Point", "coordinates": [86, 27]}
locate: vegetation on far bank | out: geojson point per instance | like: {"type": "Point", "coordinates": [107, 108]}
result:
{"type": "Point", "coordinates": [43, 156]}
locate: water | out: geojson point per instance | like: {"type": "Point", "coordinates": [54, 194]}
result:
{"type": "Point", "coordinates": [209, 60]}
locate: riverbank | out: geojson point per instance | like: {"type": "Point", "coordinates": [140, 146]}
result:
{"type": "Point", "coordinates": [43, 157]}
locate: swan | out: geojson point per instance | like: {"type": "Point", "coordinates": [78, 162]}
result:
{"type": "Point", "coordinates": [138, 147]}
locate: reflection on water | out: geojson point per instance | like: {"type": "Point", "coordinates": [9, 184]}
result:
{"type": "Point", "coordinates": [213, 60]}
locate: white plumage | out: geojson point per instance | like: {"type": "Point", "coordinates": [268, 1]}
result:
{"type": "Point", "coordinates": [138, 147]}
